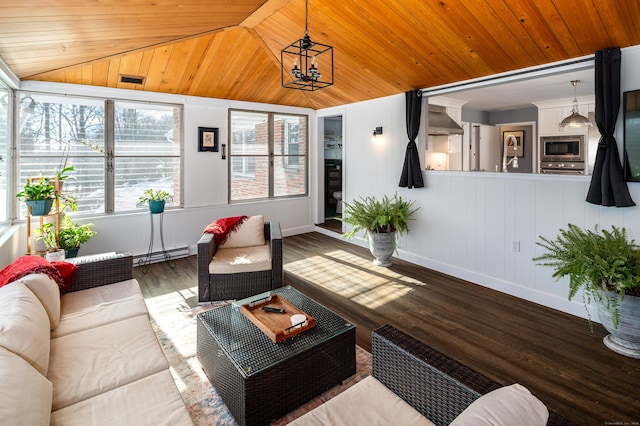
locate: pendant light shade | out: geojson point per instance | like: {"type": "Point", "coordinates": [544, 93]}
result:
{"type": "Point", "coordinates": [305, 64]}
{"type": "Point", "coordinates": [575, 119]}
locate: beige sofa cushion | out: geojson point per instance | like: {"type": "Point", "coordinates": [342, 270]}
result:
{"type": "Point", "coordinates": [47, 292]}
{"type": "Point", "coordinates": [250, 233]}
{"type": "Point", "coordinates": [94, 361]}
{"type": "Point", "coordinates": [368, 402]}
{"type": "Point", "coordinates": [24, 325]}
{"type": "Point", "coordinates": [242, 259]}
{"type": "Point", "coordinates": [507, 406]}
{"type": "Point", "coordinates": [26, 396]}
{"type": "Point", "coordinates": [93, 307]}
{"type": "Point", "coordinates": [153, 400]}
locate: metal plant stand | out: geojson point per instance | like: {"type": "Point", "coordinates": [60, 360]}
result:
{"type": "Point", "coordinates": [165, 254]}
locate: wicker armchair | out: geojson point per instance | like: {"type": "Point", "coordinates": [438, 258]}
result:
{"type": "Point", "coordinates": [243, 284]}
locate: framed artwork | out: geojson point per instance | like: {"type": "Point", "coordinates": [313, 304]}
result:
{"type": "Point", "coordinates": [207, 139]}
{"type": "Point", "coordinates": [519, 137]}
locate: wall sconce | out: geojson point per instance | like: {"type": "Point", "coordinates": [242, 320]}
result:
{"type": "Point", "coordinates": [223, 151]}
{"type": "Point", "coordinates": [377, 131]}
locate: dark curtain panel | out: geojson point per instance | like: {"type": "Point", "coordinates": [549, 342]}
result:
{"type": "Point", "coordinates": [608, 187]}
{"type": "Point", "coordinates": [411, 172]}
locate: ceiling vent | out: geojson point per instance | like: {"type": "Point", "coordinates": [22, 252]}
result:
{"type": "Point", "coordinates": [135, 79]}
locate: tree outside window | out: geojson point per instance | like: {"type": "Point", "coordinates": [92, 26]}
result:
{"type": "Point", "coordinates": [112, 166]}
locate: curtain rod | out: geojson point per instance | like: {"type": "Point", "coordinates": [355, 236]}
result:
{"type": "Point", "coordinates": [522, 74]}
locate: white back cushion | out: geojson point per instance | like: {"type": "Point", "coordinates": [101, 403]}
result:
{"type": "Point", "coordinates": [24, 325]}
{"type": "Point", "coordinates": [27, 394]}
{"type": "Point", "coordinates": [249, 234]}
{"type": "Point", "coordinates": [507, 406]}
{"type": "Point", "coordinates": [47, 292]}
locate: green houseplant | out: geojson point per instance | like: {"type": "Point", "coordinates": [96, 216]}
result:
{"type": "Point", "coordinates": [38, 195]}
{"type": "Point", "coordinates": [156, 199]}
{"type": "Point", "coordinates": [48, 234]}
{"type": "Point", "coordinates": [605, 265]}
{"type": "Point", "coordinates": [72, 236]}
{"type": "Point", "coordinates": [381, 220]}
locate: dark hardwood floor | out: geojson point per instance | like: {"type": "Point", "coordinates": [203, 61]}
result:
{"type": "Point", "coordinates": [506, 338]}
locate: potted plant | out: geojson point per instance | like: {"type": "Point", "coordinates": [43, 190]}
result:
{"type": "Point", "coordinates": [72, 236]}
{"type": "Point", "coordinates": [381, 220]}
{"type": "Point", "coordinates": [156, 199]}
{"type": "Point", "coordinates": [38, 195]}
{"type": "Point", "coordinates": [48, 234]}
{"type": "Point", "coordinates": [64, 173]}
{"type": "Point", "coordinates": [605, 265]}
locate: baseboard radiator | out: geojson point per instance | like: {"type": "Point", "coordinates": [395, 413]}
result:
{"type": "Point", "coordinates": [159, 256]}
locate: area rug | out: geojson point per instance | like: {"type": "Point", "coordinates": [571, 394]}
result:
{"type": "Point", "coordinates": [175, 325]}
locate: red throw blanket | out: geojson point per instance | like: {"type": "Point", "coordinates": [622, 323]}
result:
{"type": "Point", "coordinates": [63, 273]}
{"type": "Point", "coordinates": [222, 228]}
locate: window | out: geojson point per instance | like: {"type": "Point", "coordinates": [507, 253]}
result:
{"type": "Point", "coordinates": [146, 153]}
{"type": "Point", "coordinates": [5, 104]}
{"type": "Point", "coordinates": [268, 155]}
{"type": "Point", "coordinates": [114, 163]}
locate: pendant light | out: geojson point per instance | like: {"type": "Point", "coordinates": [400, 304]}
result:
{"type": "Point", "coordinates": [575, 119]}
{"type": "Point", "coordinates": [309, 65]}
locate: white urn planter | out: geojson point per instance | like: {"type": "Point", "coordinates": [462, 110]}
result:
{"type": "Point", "coordinates": [382, 246]}
{"type": "Point", "coordinates": [625, 339]}
{"type": "Point", "coordinates": [53, 256]}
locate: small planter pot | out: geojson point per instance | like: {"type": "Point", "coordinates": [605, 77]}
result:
{"type": "Point", "coordinates": [39, 207]}
{"type": "Point", "coordinates": [39, 245]}
{"type": "Point", "coordinates": [625, 339]}
{"type": "Point", "coordinates": [72, 252]}
{"type": "Point", "coordinates": [156, 206]}
{"type": "Point", "coordinates": [382, 247]}
{"type": "Point", "coordinates": [53, 256]}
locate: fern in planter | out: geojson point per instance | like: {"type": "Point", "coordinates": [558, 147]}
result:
{"type": "Point", "coordinates": [378, 216]}
{"type": "Point", "coordinates": [604, 264]}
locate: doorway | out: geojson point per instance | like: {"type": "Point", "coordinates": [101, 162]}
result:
{"type": "Point", "coordinates": [333, 172]}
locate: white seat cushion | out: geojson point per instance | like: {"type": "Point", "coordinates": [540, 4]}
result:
{"type": "Point", "coordinates": [94, 361]}
{"type": "Point", "coordinates": [47, 292]}
{"type": "Point", "coordinates": [93, 307]}
{"type": "Point", "coordinates": [26, 396]}
{"type": "Point", "coordinates": [24, 325]}
{"type": "Point", "coordinates": [507, 406]}
{"type": "Point", "coordinates": [242, 259]}
{"type": "Point", "coordinates": [153, 400]}
{"type": "Point", "coordinates": [368, 402]}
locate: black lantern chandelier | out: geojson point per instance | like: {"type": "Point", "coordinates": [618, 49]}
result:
{"type": "Point", "coordinates": [301, 62]}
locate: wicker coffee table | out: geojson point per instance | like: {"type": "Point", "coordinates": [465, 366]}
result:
{"type": "Point", "coordinates": [260, 380]}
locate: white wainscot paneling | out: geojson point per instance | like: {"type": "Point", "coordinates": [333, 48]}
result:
{"type": "Point", "coordinates": [525, 234]}
{"type": "Point", "coordinates": [492, 247]}
{"type": "Point", "coordinates": [549, 208]}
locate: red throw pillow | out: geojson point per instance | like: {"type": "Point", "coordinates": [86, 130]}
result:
{"type": "Point", "coordinates": [63, 273]}
{"type": "Point", "coordinates": [221, 228]}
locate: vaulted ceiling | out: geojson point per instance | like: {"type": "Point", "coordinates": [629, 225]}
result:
{"type": "Point", "coordinates": [230, 49]}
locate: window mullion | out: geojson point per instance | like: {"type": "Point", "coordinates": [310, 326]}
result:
{"type": "Point", "coordinates": [271, 138]}
{"type": "Point", "coordinates": [109, 175]}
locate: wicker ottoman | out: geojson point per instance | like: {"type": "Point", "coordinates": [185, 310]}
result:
{"type": "Point", "coordinates": [260, 380]}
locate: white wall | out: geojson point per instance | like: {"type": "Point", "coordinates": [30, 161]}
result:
{"type": "Point", "coordinates": [468, 222]}
{"type": "Point", "coordinates": [205, 181]}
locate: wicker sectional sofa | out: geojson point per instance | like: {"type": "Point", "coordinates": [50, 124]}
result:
{"type": "Point", "coordinates": [88, 357]}
{"type": "Point", "coordinates": [413, 383]}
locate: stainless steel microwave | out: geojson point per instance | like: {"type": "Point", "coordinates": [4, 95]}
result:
{"type": "Point", "coordinates": [562, 148]}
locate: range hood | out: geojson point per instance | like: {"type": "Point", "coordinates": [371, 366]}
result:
{"type": "Point", "coordinates": [440, 123]}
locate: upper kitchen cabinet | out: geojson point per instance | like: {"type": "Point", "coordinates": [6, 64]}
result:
{"type": "Point", "coordinates": [551, 113]}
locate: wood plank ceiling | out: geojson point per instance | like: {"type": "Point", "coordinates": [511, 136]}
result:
{"type": "Point", "coordinates": [230, 49]}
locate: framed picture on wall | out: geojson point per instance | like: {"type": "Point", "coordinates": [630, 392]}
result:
{"type": "Point", "coordinates": [208, 139]}
{"type": "Point", "coordinates": [517, 139]}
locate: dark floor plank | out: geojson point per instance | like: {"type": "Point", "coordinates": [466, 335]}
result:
{"type": "Point", "coordinates": [506, 338]}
